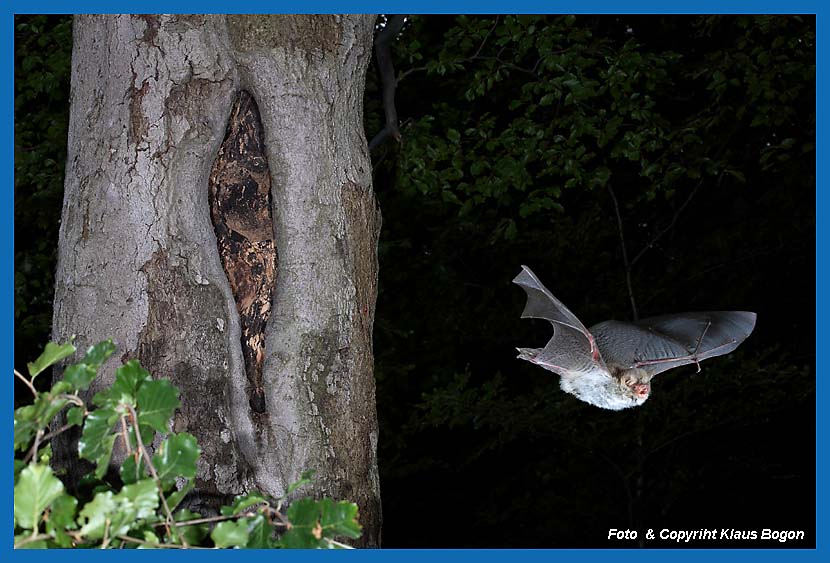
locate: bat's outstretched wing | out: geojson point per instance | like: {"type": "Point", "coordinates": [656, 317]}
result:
{"type": "Point", "coordinates": [668, 341]}
{"type": "Point", "coordinates": [572, 350]}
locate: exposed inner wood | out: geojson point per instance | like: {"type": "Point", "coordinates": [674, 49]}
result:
{"type": "Point", "coordinates": [240, 208]}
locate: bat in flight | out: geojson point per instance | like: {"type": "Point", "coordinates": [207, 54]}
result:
{"type": "Point", "coordinates": [611, 364]}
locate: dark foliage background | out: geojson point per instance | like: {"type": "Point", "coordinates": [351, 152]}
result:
{"type": "Point", "coordinates": [518, 135]}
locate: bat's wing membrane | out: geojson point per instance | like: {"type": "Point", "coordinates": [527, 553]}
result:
{"type": "Point", "coordinates": [660, 343]}
{"type": "Point", "coordinates": [572, 349]}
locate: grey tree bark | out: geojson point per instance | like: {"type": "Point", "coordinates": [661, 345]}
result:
{"type": "Point", "coordinates": [138, 259]}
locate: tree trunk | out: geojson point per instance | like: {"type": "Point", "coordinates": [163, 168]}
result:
{"type": "Point", "coordinates": [219, 224]}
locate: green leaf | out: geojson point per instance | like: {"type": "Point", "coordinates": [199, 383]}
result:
{"type": "Point", "coordinates": [117, 514]}
{"type": "Point", "coordinates": [230, 533]}
{"type": "Point", "coordinates": [39, 544]}
{"type": "Point", "coordinates": [75, 416]}
{"type": "Point", "coordinates": [305, 531]}
{"type": "Point", "coordinates": [25, 426]}
{"type": "Point", "coordinates": [478, 167]}
{"type": "Point", "coordinates": [151, 537]}
{"type": "Point", "coordinates": [299, 538]}
{"type": "Point", "coordinates": [737, 174]}
{"type": "Point", "coordinates": [94, 515]}
{"type": "Point", "coordinates": [98, 354]}
{"type": "Point", "coordinates": [305, 479]}
{"type": "Point", "coordinates": [339, 519]}
{"type": "Point", "coordinates": [36, 489]}
{"type": "Point", "coordinates": [52, 354]}
{"type": "Point", "coordinates": [46, 407]}
{"type": "Point", "coordinates": [62, 518]}
{"type": "Point", "coordinates": [79, 376]}
{"type": "Point", "coordinates": [243, 502]}
{"type": "Point", "coordinates": [176, 458]}
{"type": "Point", "coordinates": [31, 418]}
{"type": "Point", "coordinates": [60, 387]}
{"type": "Point", "coordinates": [18, 467]}
{"type": "Point", "coordinates": [313, 521]}
{"type": "Point", "coordinates": [303, 512]}
{"type": "Point", "coordinates": [44, 454]}
{"type": "Point", "coordinates": [193, 534]}
{"type": "Point", "coordinates": [156, 402]}
{"type": "Point", "coordinates": [124, 389]}
{"type": "Point", "coordinates": [62, 540]}
{"type": "Point", "coordinates": [130, 472]}
{"type": "Point", "coordinates": [97, 438]}
{"type": "Point", "coordinates": [142, 497]}
{"type": "Point", "coordinates": [260, 532]}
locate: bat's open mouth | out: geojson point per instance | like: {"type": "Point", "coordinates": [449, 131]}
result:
{"type": "Point", "coordinates": [641, 389]}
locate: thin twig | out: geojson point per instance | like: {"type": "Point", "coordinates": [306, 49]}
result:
{"type": "Point", "coordinates": [40, 437]}
{"type": "Point", "coordinates": [210, 519]}
{"type": "Point", "coordinates": [339, 544]}
{"type": "Point", "coordinates": [55, 432]}
{"type": "Point", "coordinates": [650, 244]}
{"type": "Point", "coordinates": [26, 381]}
{"type": "Point", "coordinates": [158, 545]}
{"type": "Point", "coordinates": [283, 521]}
{"type": "Point", "coordinates": [486, 37]}
{"type": "Point", "coordinates": [125, 437]}
{"type": "Point", "coordinates": [151, 468]}
{"type": "Point", "coordinates": [106, 540]}
{"type": "Point", "coordinates": [409, 71]}
{"type": "Point", "coordinates": [74, 399]}
{"type": "Point", "coordinates": [46, 437]}
{"type": "Point", "coordinates": [477, 57]}
{"type": "Point", "coordinates": [506, 64]}
{"type": "Point", "coordinates": [32, 538]}
{"type": "Point", "coordinates": [626, 263]}
{"type": "Point", "coordinates": [36, 445]}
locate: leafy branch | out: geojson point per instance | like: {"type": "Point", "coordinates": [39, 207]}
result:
{"type": "Point", "coordinates": [133, 409]}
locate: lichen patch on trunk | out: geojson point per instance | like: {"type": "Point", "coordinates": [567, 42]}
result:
{"type": "Point", "coordinates": [303, 32]}
{"type": "Point", "coordinates": [240, 208]}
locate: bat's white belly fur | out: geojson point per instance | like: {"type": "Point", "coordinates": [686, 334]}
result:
{"type": "Point", "coordinates": [598, 388]}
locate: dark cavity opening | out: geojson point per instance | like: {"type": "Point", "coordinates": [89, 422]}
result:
{"type": "Point", "coordinates": [240, 209]}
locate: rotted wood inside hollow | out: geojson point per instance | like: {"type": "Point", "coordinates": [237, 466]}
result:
{"type": "Point", "coordinates": [240, 208]}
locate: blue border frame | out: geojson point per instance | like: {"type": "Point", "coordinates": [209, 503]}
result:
{"type": "Point", "coordinates": [818, 7]}
{"type": "Point", "coordinates": [421, 6]}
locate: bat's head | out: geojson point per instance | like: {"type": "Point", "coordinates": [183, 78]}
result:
{"type": "Point", "coordinates": [635, 383]}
